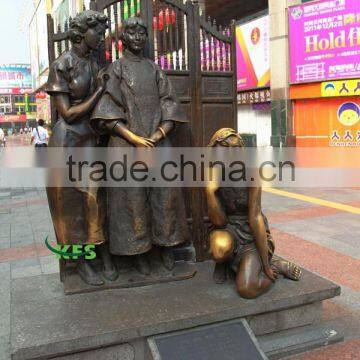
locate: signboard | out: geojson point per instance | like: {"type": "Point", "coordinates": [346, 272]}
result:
{"type": "Point", "coordinates": [12, 118]}
{"type": "Point", "coordinates": [42, 37]}
{"type": "Point", "coordinates": [38, 45]}
{"type": "Point", "coordinates": [15, 76]}
{"type": "Point", "coordinates": [253, 54]}
{"type": "Point", "coordinates": [346, 131]}
{"type": "Point", "coordinates": [324, 40]}
{"type": "Point", "coordinates": [254, 97]}
{"type": "Point", "coordinates": [34, 53]}
{"type": "Point", "coordinates": [15, 91]}
{"type": "Point", "coordinates": [226, 340]}
{"type": "Point", "coordinates": [340, 88]}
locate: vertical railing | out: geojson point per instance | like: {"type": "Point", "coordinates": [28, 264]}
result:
{"type": "Point", "coordinates": [215, 46]}
{"type": "Point", "coordinates": [170, 34]}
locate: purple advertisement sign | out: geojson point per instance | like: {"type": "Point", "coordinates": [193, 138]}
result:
{"type": "Point", "coordinates": [324, 38]}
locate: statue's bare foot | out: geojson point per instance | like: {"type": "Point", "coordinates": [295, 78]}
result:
{"type": "Point", "coordinates": [167, 258]}
{"type": "Point", "coordinates": [287, 269]}
{"type": "Point", "coordinates": [88, 273]}
{"type": "Point", "coordinates": [220, 273]}
{"type": "Point", "coordinates": [142, 264]}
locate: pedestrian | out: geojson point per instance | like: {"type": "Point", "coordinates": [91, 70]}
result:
{"type": "Point", "coordinates": [40, 135]}
{"type": "Point", "coordinates": [2, 138]}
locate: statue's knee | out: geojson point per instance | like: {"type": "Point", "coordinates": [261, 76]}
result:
{"type": "Point", "coordinates": [248, 291]}
{"type": "Point", "coordinates": [221, 245]}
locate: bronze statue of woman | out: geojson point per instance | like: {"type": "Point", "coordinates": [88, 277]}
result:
{"type": "Point", "coordinates": [139, 108]}
{"type": "Point", "coordinates": [76, 85]}
{"type": "Point", "coordinates": [240, 240]}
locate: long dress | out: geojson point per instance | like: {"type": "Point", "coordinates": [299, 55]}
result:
{"type": "Point", "coordinates": [140, 95]}
{"type": "Point", "coordinates": [77, 216]}
{"type": "Point", "coordinates": [235, 203]}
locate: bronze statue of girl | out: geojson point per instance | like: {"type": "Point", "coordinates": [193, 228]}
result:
{"type": "Point", "coordinates": [240, 240]}
{"type": "Point", "coordinates": [76, 85]}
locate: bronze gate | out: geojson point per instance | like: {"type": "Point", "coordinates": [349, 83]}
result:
{"type": "Point", "coordinates": [198, 57]}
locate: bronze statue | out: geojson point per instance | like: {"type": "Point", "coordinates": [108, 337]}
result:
{"type": "Point", "coordinates": [240, 240]}
{"type": "Point", "coordinates": [139, 109]}
{"type": "Point", "coordinates": [76, 85]}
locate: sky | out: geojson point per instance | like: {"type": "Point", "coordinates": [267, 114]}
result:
{"type": "Point", "coordinates": [14, 44]}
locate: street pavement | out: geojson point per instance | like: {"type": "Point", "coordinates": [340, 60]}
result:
{"type": "Point", "coordinates": [322, 238]}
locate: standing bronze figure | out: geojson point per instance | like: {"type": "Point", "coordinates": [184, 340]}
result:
{"type": "Point", "coordinates": [139, 109]}
{"type": "Point", "coordinates": [76, 86]}
{"type": "Point", "coordinates": [240, 240]}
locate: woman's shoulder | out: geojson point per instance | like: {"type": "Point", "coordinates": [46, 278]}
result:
{"type": "Point", "coordinates": [64, 62]}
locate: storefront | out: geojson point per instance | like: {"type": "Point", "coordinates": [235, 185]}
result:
{"type": "Point", "coordinates": [325, 73]}
{"type": "Point", "coordinates": [326, 115]}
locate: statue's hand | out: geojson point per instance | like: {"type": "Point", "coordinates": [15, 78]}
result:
{"type": "Point", "coordinates": [214, 179]}
{"type": "Point", "coordinates": [212, 187]}
{"type": "Point", "coordinates": [102, 78]}
{"type": "Point", "coordinates": [140, 141]}
{"type": "Point", "coordinates": [270, 273]}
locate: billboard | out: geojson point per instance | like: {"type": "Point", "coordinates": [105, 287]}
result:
{"type": "Point", "coordinates": [253, 54]}
{"type": "Point", "coordinates": [324, 38]}
{"type": "Point", "coordinates": [15, 76]}
{"type": "Point", "coordinates": [39, 45]}
{"type": "Point", "coordinates": [42, 37]}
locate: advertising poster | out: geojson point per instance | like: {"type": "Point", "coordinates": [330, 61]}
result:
{"type": "Point", "coordinates": [34, 53]}
{"type": "Point", "coordinates": [324, 38]}
{"type": "Point", "coordinates": [328, 122]}
{"type": "Point", "coordinates": [43, 60]}
{"type": "Point", "coordinates": [253, 54]}
{"type": "Point", "coordinates": [15, 76]}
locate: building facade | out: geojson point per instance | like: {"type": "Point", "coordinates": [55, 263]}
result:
{"type": "Point", "coordinates": [274, 107]}
{"type": "Point", "coordinates": [17, 101]}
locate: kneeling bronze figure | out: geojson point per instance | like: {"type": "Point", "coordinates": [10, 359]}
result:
{"type": "Point", "coordinates": [240, 240]}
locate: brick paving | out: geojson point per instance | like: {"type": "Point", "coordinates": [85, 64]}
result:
{"type": "Point", "coordinates": [322, 239]}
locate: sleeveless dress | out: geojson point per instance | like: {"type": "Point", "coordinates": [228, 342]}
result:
{"type": "Point", "coordinates": [235, 202]}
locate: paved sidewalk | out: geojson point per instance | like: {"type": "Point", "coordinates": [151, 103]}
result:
{"type": "Point", "coordinates": [325, 240]}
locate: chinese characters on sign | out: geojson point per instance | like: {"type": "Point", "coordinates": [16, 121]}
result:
{"type": "Point", "coordinates": [340, 88]}
{"type": "Point", "coordinates": [324, 40]}
{"type": "Point", "coordinates": [347, 133]}
{"type": "Point", "coordinates": [15, 76]}
{"type": "Point", "coordinates": [254, 97]}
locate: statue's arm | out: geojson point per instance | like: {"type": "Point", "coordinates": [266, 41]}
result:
{"type": "Point", "coordinates": [171, 110]}
{"type": "Point", "coordinates": [166, 126]}
{"type": "Point", "coordinates": [257, 226]}
{"type": "Point", "coordinates": [215, 210]}
{"type": "Point", "coordinates": [72, 113]}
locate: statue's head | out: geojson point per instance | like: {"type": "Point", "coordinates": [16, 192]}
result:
{"type": "Point", "coordinates": [88, 26]}
{"type": "Point", "coordinates": [226, 137]}
{"type": "Point", "coordinates": [134, 34]}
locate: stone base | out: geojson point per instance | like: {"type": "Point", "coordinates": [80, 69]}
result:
{"type": "Point", "coordinates": [129, 277]}
{"type": "Point", "coordinates": [48, 324]}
